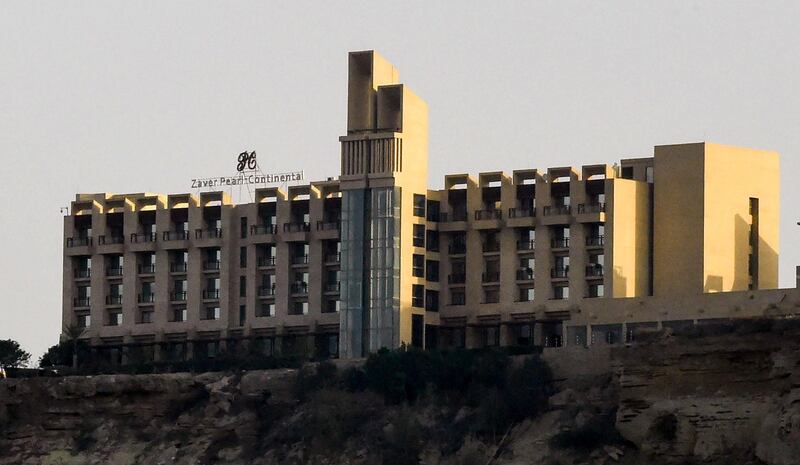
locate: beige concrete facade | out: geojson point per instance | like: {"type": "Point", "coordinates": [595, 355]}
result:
{"type": "Point", "coordinates": [374, 258]}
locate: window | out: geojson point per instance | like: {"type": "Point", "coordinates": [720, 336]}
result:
{"type": "Point", "coordinates": [457, 297]}
{"type": "Point", "coordinates": [526, 294]}
{"type": "Point", "coordinates": [596, 290]}
{"type": "Point", "coordinates": [431, 301]}
{"type": "Point", "coordinates": [211, 313]}
{"type": "Point", "coordinates": [179, 314]}
{"type": "Point", "coordinates": [419, 205]}
{"type": "Point", "coordinates": [242, 286]}
{"type": "Point", "coordinates": [561, 292]}
{"type": "Point", "coordinates": [418, 295]}
{"type": "Point", "coordinates": [419, 235]}
{"type": "Point", "coordinates": [146, 316]}
{"type": "Point", "coordinates": [332, 306]}
{"type": "Point", "coordinates": [242, 314]}
{"type": "Point", "coordinates": [243, 227]}
{"type": "Point", "coordinates": [148, 292]}
{"type": "Point", "coordinates": [432, 270]}
{"type": "Point", "coordinates": [433, 210]}
{"type": "Point", "coordinates": [491, 336]}
{"type": "Point", "coordinates": [432, 241]}
{"type": "Point", "coordinates": [627, 172]}
{"type": "Point", "coordinates": [84, 321]}
{"type": "Point", "coordinates": [242, 257]}
{"type": "Point", "coordinates": [418, 266]}
{"type": "Point", "coordinates": [114, 318]}
{"type": "Point", "coordinates": [266, 309]}
{"type": "Point", "coordinates": [491, 296]}
{"type": "Point", "coordinates": [299, 308]}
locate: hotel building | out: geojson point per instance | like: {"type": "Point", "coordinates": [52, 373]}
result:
{"type": "Point", "coordinates": [374, 258]}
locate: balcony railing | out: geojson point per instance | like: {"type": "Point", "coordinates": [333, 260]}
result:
{"type": "Point", "coordinates": [525, 275]}
{"type": "Point", "coordinates": [178, 296]}
{"type": "Point", "coordinates": [328, 225]}
{"type": "Point", "coordinates": [79, 241]}
{"type": "Point", "coordinates": [111, 239]}
{"type": "Point", "coordinates": [453, 216]}
{"type": "Point", "coordinates": [266, 261]}
{"type": "Point", "coordinates": [491, 246]}
{"type": "Point", "coordinates": [299, 288]}
{"type": "Point", "coordinates": [594, 270]}
{"type": "Point", "coordinates": [211, 294]}
{"type": "Point", "coordinates": [266, 291]}
{"type": "Point", "coordinates": [560, 243]}
{"type": "Point", "coordinates": [300, 260]}
{"type": "Point", "coordinates": [521, 212]}
{"type": "Point", "coordinates": [333, 258]}
{"type": "Point", "coordinates": [598, 207]}
{"type": "Point", "coordinates": [261, 229]}
{"type": "Point", "coordinates": [526, 245]}
{"type": "Point", "coordinates": [147, 269]}
{"type": "Point", "coordinates": [559, 272]}
{"type": "Point", "coordinates": [178, 267]}
{"type": "Point", "coordinates": [114, 271]}
{"type": "Point", "coordinates": [81, 302]}
{"type": "Point", "coordinates": [457, 249]}
{"type": "Point", "coordinates": [83, 274]}
{"type": "Point", "coordinates": [595, 241]}
{"type": "Point", "coordinates": [213, 233]}
{"type": "Point", "coordinates": [490, 277]}
{"type": "Point", "coordinates": [138, 238]}
{"type": "Point", "coordinates": [113, 300]}
{"type": "Point", "coordinates": [491, 214]}
{"type": "Point", "coordinates": [146, 298]}
{"type": "Point", "coordinates": [457, 278]}
{"type": "Point", "coordinates": [175, 236]}
{"type": "Point", "coordinates": [211, 265]}
{"type": "Point", "coordinates": [332, 287]}
{"type": "Point", "coordinates": [296, 227]}
{"type": "Point", "coordinates": [552, 210]}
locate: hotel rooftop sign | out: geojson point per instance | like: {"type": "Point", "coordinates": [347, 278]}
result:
{"type": "Point", "coordinates": [247, 173]}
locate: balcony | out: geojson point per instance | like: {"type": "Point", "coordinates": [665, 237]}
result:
{"type": "Point", "coordinates": [594, 271]}
{"type": "Point", "coordinates": [333, 258]}
{"type": "Point", "coordinates": [491, 214]}
{"type": "Point", "coordinates": [332, 287]}
{"type": "Point", "coordinates": [300, 260]}
{"type": "Point", "coordinates": [457, 278]}
{"type": "Point", "coordinates": [521, 212]}
{"type": "Point", "coordinates": [146, 298]}
{"type": "Point", "coordinates": [178, 267]}
{"type": "Point", "coordinates": [328, 225]}
{"type": "Point", "coordinates": [175, 236]}
{"type": "Point", "coordinates": [177, 296]}
{"type": "Point", "coordinates": [299, 287]}
{"type": "Point", "coordinates": [213, 233]}
{"type": "Point", "coordinates": [83, 274]}
{"type": "Point", "coordinates": [457, 249]}
{"type": "Point", "coordinates": [559, 272]}
{"type": "Point", "coordinates": [266, 291]}
{"type": "Point", "coordinates": [114, 271]}
{"type": "Point", "coordinates": [490, 277]}
{"type": "Point", "coordinates": [263, 229]}
{"type": "Point", "coordinates": [211, 265]}
{"type": "Point", "coordinates": [555, 210]}
{"type": "Point", "coordinates": [560, 243]}
{"type": "Point", "coordinates": [526, 245]}
{"type": "Point", "coordinates": [449, 217]}
{"type": "Point", "coordinates": [147, 269]}
{"type": "Point", "coordinates": [595, 241]}
{"type": "Point", "coordinates": [598, 207]}
{"type": "Point", "coordinates": [79, 241]}
{"type": "Point", "coordinates": [525, 274]}
{"type": "Point", "coordinates": [113, 300]}
{"type": "Point", "coordinates": [265, 262]}
{"type": "Point", "coordinates": [491, 247]}
{"type": "Point", "coordinates": [141, 238]}
{"type": "Point", "coordinates": [296, 227]}
{"type": "Point", "coordinates": [111, 240]}
{"type": "Point", "coordinates": [211, 294]}
{"type": "Point", "coordinates": [81, 302]}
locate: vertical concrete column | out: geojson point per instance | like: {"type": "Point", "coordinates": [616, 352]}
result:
{"type": "Point", "coordinates": [538, 339]}
{"type": "Point", "coordinates": [472, 337]}
{"type": "Point", "coordinates": [506, 334]}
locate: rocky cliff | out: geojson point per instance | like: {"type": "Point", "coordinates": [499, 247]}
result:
{"type": "Point", "coordinates": [725, 395]}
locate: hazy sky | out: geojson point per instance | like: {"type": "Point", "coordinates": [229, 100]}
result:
{"type": "Point", "coordinates": [143, 96]}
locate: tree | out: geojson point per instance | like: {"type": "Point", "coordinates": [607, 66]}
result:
{"type": "Point", "coordinates": [12, 355]}
{"type": "Point", "coordinates": [72, 334]}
